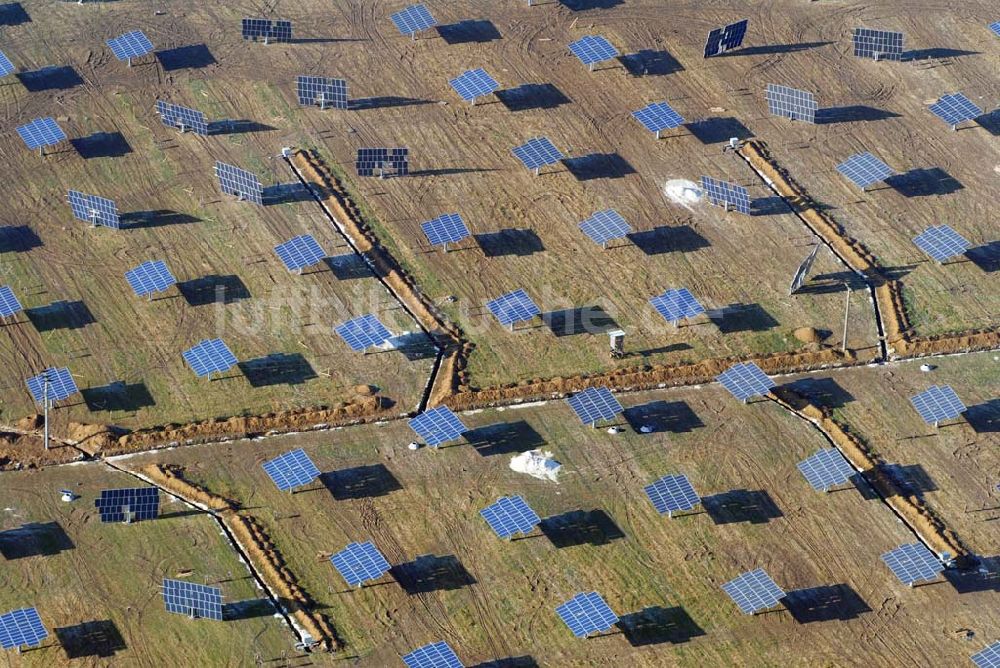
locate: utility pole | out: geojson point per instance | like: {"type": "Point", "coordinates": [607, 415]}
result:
{"type": "Point", "coordinates": [847, 311]}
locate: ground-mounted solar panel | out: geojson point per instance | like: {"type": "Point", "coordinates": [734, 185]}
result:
{"type": "Point", "coordinates": [54, 383]}
{"type": "Point", "coordinates": [537, 152]}
{"type": "Point", "coordinates": [989, 657]}
{"type": "Point", "coordinates": [40, 133]}
{"type": "Point", "coordinates": [955, 109]}
{"type": "Point", "coordinates": [413, 19]}
{"type": "Point", "coordinates": [435, 655]}
{"type": "Point", "coordinates": [512, 308]}
{"type": "Point", "coordinates": [9, 305]}
{"type": "Point", "coordinates": [725, 39]}
{"type": "Point", "coordinates": [754, 591]}
{"type": "Point", "coordinates": [593, 49]}
{"type": "Point", "coordinates": [239, 182]}
{"type": "Point", "coordinates": [437, 426]}
{"type": "Point", "coordinates": [128, 505]}
{"type": "Point", "coordinates": [383, 161]}
{"type": "Point", "coordinates": [321, 91]}
{"type": "Point", "coordinates": [605, 226]}
{"type": "Point", "coordinates": [587, 613]}
{"type": "Point", "coordinates": [938, 403]}
{"type": "Point", "coordinates": [149, 278]}
{"type": "Point", "coordinates": [94, 210]}
{"type": "Point", "coordinates": [594, 404]}
{"type": "Point", "coordinates": [281, 32]}
{"type": "Point", "coordinates": [363, 332]}
{"type": "Point", "coordinates": [672, 493]}
{"type": "Point", "coordinates": [21, 628]}
{"type": "Point", "coordinates": [267, 29]}
{"type": "Point", "coordinates": [446, 229]}
{"type": "Point", "coordinates": [131, 45]}
{"type": "Point", "coordinates": [677, 304]}
{"type": "Point", "coordinates": [825, 469]}
{"type": "Point", "coordinates": [474, 83]}
{"type": "Point", "coordinates": [878, 44]}
{"type": "Point", "coordinates": [913, 563]}
{"type": "Point", "coordinates": [725, 194]}
{"type": "Point", "coordinates": [800, 274]}
{"type": "Point", "coordinates": [864, 169]}
{"type": "Point", "coordinates": [209, 356]}
{"type": "Point", "coordinates": [995, 27]}
{"type": "Point", "coordinates": [182, 118]}
{"type": "Point", "coordinates": [300, 252]}
{"type": "Point", "coordinates": [509, 516]}
{"type": "Point", "coordinates": [6, 67]}
{"type": "Point", "coordinates": [359, 563]}
{"type": "Point", "coordinates": [192, 599]}
{"type": "Point", "coordinates": [745, 381]}
{"type": "Point", "coordinates": [798, 105]}
{"type": "Point", "coordinates": [657, 117]}
{"type": "Point", "coordinates": [290, 470]}
{"type": "Point", "coordinates": [941, 242]}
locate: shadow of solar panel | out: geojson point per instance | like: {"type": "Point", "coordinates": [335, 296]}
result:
{"type": "Point", "coordinates": [864, 169]}
{"type": "Point", "coordinates": [676, 305]}
{"type": "Point", "coordinates": [9, 305]}
{"type": "Point", "coordinates": [445, 229]}
{"type": "Point", "coordinates": [363, 332]}
{"type": "Point", "coordinates": [130, 45]}
{"type": "Point", "coordinates": [21, 628]}
{"type": "Point", "coordinates": [438, 425]}
{"type": "Point", "coordinates": [192, 599]}
{"type": "Point", "coordinates": [382, 160]}
{"type": "Point", "coordinates": [322, 91]}
{"type": "Point", "coordinates": [537, 152]}
{"type": "Point", "coordinates": [587, 613]}
{"type": "Point", "coordinates": [239, 182]}
{"type": "Point", "coordinates": [937, 403]}
{"type": "Point", "coordinates": [6, 67]}
{"type": "Point", "coordinates": [672, 493]}
{"type": "Point", "coordinates": [300, 252]}
{"type": "Point", "coordinates": [94, 210]}
{"type": "Point", "coordinates": [798, 105]}
{"type": "Point", "coordinates": [592, 49]}
{"type": "Point", "coordinates": [955, 108]}
{"type": "Point", "coordinates": [513, 307]}
{"type": "Point", "coordinates": [878, 44]}
{"type": "Point", "coordinates": [594, 404]}
{"type": "Point", "coordinates": [131, 504]}
{"type": "Point", "coordinates": [413, 19]}
{"type": "Point", "coordinates": [754, 591]}
{"type": "Point", "coordinates": [723, 193]}
{"type": "Point", "coordinates": [292, 469]}
{"type": "Point", "coordinates": [825, 469]}
{"type": "Point", "coordinates": [510, 515]}
{"type": "Point", "coordinates": [605, 226]}
{"type": "Point", "coordinates": [149, 278]}
{"type": "Point", "coordinates": [474, 83]}
{"type": "Point", "coordinates": [658, 116]}
{"type": "Point", "coordinates": [725, 39]}
{"type": "Point", "coordinates": [183, 118]}
{"type": "Point", "coordinates": [360, 562]}
{"type": "Point", "coordinates": [745, 381]}
{"type": "Point", "coordinates": [60, 385]}
{"type": "Point", "coordinates": [913, 563]}
{"type": "Point", "coordinates": [989, 657]}
{"type": "Point", "coordinates": [434, 655]}
{"type": "Point", "coordinates": [941, 242]}
{"type": "Point", "coordinates": [40, 133]}
{"type": "Point", "coordinates": [209, 356]}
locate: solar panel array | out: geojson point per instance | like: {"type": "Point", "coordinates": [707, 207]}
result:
{"type": "Point", "coordinates": [955, 108]}
{"type": "Point", "coordinates": [6, 67]}
{"type": "Point", "coordinates": [93, 209]}
{"type": "Point", "coordinates": [658, 116]}
{"type": "Point", "coordinates": [937, 403]}
{"type": "Point", "coordinates": [300, 252]}
{"type": "Point", "coordinates": [864, 169]}
{"type": "Point", "coordinates": [21, 628]}
{"type": "Point", "coordinates": [594, 404]}
{"type": "Point", "coordinates": [130, 45]}
{"type": "Point", "coordinates": [826, 469]}
{"type": "Point", "coordinates": [363, 332]}
{"type": "Point", "coordinates": [474, 83]}
{"type": "Point", "coordinates": [60, 385]}
{"type": "Point", "coordinates": [587, 613]}
{"type": "Point", "coordinates": [592, 49]}
{"type": "Point", "coordinates": [913, 563]}
{"type": "Point", "coordinates": [676, 305]}
{"type": "Point", "coordinates": [270, 30]}
{"type": "Point", "coordinates": [9, 305]}
{"type": "Point", "coordinates": [723, 193]}
{"type": "Point", "coordinates": [995, 27]}
{"type": "Point", "coordinates": [513, 307]}
{"type": "Point", "coordinates": [396, 160]}
{"type": "Point", "coordinates": [360, 562]}
{"type": "Point", "coordinates": [183, 118]}
{"type": "Point", "coordinates": [209, 356]}
{"type": "Point", "coordinates": [290, 470]}
{"type": "Point", "coordinates": [435, 655]}
{"type": "Point", "coordinates": [239, 182]}
{"type": "Point", "coordinates": [878, 44]}
{"type": "Point", "coordinates": [745, 381]}
{"type": "Point", "coordinates": [941, 242]}
{"type": "Point", "coordinates": [136, 503]}
{"type": "Point", "coordinates": [413, 19]}
{"type": "Point", "coordinates": [672, 493]}
{"type": "Point", "coordinates": [754, 591]}
{"type": "Point", "coordinates": [989, 657]}
{"type": "Point", "coordinates": [798, 105]}
{"type": "Point", "coordinates": [726, 39]}
{"type": "Point", "coordinates": [537, 152]}
{"type": "Point", "coordinates": [150, 277]}
{"type": "Point", "coordinates": [510, 515]}
{"type": "Point", "coordinates": [190, 598]}
{"type": "Point", "coordinates": [438, 425]}
{"type": "Point", "coordinates": [605, 226]}
{"type": "Point", "coordinates": [40, 133]}
{"type": "Point", "coordinates": [445, 229]}
{"type": "Point", "coordinates": [322, 91]}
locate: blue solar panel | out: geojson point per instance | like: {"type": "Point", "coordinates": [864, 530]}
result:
{"type": "Point", "coordinates": [239, 182]}
{"type": "Point", "coordinates": [723, 193]}
{"type": "Point", "coordinates": [270, 30]}
{"type": "Point", "coordinates": [537, 152]}
{"type": "Point", "coordinates": [41, 132]}
{"type": "Point", "coordinates": [360, 562]}
{"type": "Point", "coordinates": [754, 591]}
{"type": "Point", "coordinates": [150, 277]}
{"type": "Point", "coordinates": [6, 67]}
{"type": "Point", "coordinates": [864, 169]}
{"type": "Point", "coordinates": [913, 563]}
{"type": "Point", "coordinates": [434, 655]}
{"type": "Point", "coordinates": [658, 116]}
{"type": "Point", "coordinates": [131, 504]}
{"type": "Point", "coordinates": [300, 252]}
{"type": "Point", "coordinates": [937, 403]}
{"type": "Point", "coordinates": [798, 105]}
{"type": "Point", "coordinates": [292, 469]}
{"type": "Point", "coordinates": [130, 45]}
{"type": "Point", "coordinates": [363, 332]}
{"type": "Point", "coordinates": [989, 657]}
{"type": "Point", "coordinates": [587, 613]}
{"type": "Point", "coordinates": [676, 305]}
{"type": "Point", "coordinates": [9, 305]}
{"type": "Point", "coordinates": [60, 385]}
{"type": "Point", "coordinates": [594, 404]}
{"type": "Point", "coordinates": [94, 210]}
{"type": "Point", "coordinates": [605, 226]}
{"type": "Point", "coordinates": [591, 49]}
{"type": "Point", "coordinates": [941, 242]}
{"type": "Point", "coordinates": [878, 44]}
{"type": "Point", "coordinates": [413, 19]}
{"type": "Point", "coordinates": [192, 599]}
{"type": "Point", "coordinates": [510, 515]}
{"type": "Point", "coordinates": [995, 27]}
{"type": "Point", "coordinates": [955, 108]}
{"type": "Point", "coordinates": [184, 118]}
{"type": "Point", "coordinates": [825, 469]}
{"type": "Point", "coordinates": [321, 91]}
{"type": "Point", "coordinates": [672, 493]}
{"type": "Point", "coordinates": [438, 425]}
{"type": "Point", "coordinates": [446, 229]}
{"type": "Point", "coordinates": [209, 356]}
{"type": "Point", "coordinates": [21, 628]}
{"type": "Point", "coordinates": [474, 83]}
{"type": "Point", "coordinates": [721, 40]}
{"type": "Point", "coordinates": [745, 381]}
{"type": "Point", "coordinates": [513, 307]}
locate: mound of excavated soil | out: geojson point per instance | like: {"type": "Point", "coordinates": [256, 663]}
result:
{"type": "Point", "coordinates": [807, 335]}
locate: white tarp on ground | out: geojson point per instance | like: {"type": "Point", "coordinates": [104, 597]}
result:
{"type": "Point", "coordinates": [537, 464]}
